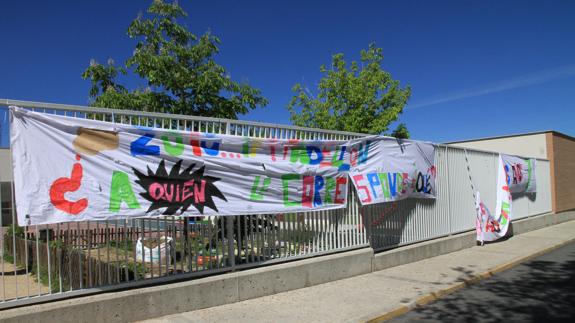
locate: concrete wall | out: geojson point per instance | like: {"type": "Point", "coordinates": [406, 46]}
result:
{"type": "Point", "coordinates": [563, 172]}
{"type": "Point", "coordinates": [526, 145]}
{"type": "Point", "coordinates": [149, 302]}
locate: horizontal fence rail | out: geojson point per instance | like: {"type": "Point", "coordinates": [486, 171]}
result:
{"type": "Point", "coordinates": [46, 262]}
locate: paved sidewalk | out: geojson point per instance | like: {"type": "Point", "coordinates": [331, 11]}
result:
{"type": "Point", "coordinates": [389, 292]}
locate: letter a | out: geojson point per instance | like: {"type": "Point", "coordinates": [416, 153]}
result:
{"type": "Point", "coordinates": [121, 190]}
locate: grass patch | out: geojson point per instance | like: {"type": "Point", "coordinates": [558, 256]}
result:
{"type": "Point", "coordinates": [8, 257]}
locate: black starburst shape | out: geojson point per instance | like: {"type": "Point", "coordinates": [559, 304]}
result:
{"type": "Point", "coordinates": [177, 191]}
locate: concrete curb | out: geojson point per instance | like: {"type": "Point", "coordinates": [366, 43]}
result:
{"type": "Point", "coordinates": [423, 250]}
{"type": "Point", "coordinates": [433, 296]}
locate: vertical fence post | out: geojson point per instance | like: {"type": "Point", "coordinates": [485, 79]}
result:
{"type": "Point", "coordinates": [230, 227]}
{"type": "Point", "coordinates": [367, 216]}
{"type": "Point", "coordinates": [230, 237]}
{"type": "Point", "coordinates": [449, 213]}
{"type": "Point", "coordinates": [14, 224]}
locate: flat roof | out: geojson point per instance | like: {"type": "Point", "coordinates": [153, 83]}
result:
{"type": "Point", "coordinates": [557, 133]}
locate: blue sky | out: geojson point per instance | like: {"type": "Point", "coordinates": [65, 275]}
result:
{"type": "Point", "coordinates": [476, 68]}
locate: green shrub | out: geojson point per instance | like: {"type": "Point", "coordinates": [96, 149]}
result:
{"type": "Point", "coordinates": [14, 230]}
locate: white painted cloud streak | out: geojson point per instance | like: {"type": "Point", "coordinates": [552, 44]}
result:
{"type": "Point", "coordinates": [523, 81]}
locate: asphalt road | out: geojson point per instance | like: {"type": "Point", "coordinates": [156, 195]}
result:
{"type": "Point", "coordinates": [540, 290]}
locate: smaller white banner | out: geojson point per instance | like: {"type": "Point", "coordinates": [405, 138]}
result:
{"type": "Point", "coordinates": [487, 227]}
{"type": "Point", "coordinates": [387, 169]}
{"type": "Point", "coordinates": [491, 228]}
{"type": "Point", "coordinates": [520, 174]}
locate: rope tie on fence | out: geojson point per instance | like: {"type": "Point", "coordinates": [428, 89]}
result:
{"type": "Point", "coordinates": [478, 217]}
{"type": "Point", "coordinates": [469, 174]}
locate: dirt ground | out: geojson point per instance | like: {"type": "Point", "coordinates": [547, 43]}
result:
{"type": "Point", "coordinates": [17, 285]}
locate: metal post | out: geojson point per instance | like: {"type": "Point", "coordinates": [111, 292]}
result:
{"type": "Point", "coordinates": [48, 259]}
{"type": "Point", "coordinates": [230, 228]}
{"type": "Point", "coordinates": [449, 213]}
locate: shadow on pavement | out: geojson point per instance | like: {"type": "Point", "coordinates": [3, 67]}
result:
{"type": "Point", "coordinates": [538, 291]}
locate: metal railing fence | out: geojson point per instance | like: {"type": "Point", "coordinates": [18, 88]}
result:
{"type": "Point", "coordinates": [51, 261]}
{"type": "Point", "coordinates": [45, 262]}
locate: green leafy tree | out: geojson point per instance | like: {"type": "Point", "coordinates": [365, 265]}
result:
{"type": "Point", "coordinates": [400, 132]}
{"type": "Point", "coordinates": [361, 97]}
{"type": "Point", "coordinates": [179, 67]}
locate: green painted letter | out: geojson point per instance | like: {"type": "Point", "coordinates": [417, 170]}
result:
{"type": "Point", "coordinates": [174, 150]}
{"type": "Point", "coordinates": [285, 182]}
{"type": "Point", "coordinates": [121, 190]}
{"type": "Point", "coordinates": [258, 192]}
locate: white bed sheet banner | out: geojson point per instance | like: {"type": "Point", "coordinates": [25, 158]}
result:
{"type": "Point", "coordinates": [390, 169]}
{"type": "Point", "coordinates": [72, 169]}
{"type": "Point", "coordinates": [514, 175]}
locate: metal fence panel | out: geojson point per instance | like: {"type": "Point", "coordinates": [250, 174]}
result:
{"type": "Point", "coordinates": [520, 207]}
{"type": "Point", "coordinates": [541, 202]}
{"type": "Point", "coordinates": [408, 221]}
{"type": "Point", "coordinates": [461, 201]}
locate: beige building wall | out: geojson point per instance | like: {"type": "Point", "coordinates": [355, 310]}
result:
{"type": "Point", "coordinates": [534, 145]}
{"type": "Point", "coordinates": [5, 165]}
{"type": "Point", "coordinates": [5, 192]}
{"type": "Point", "coordinates": [558, 148]}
